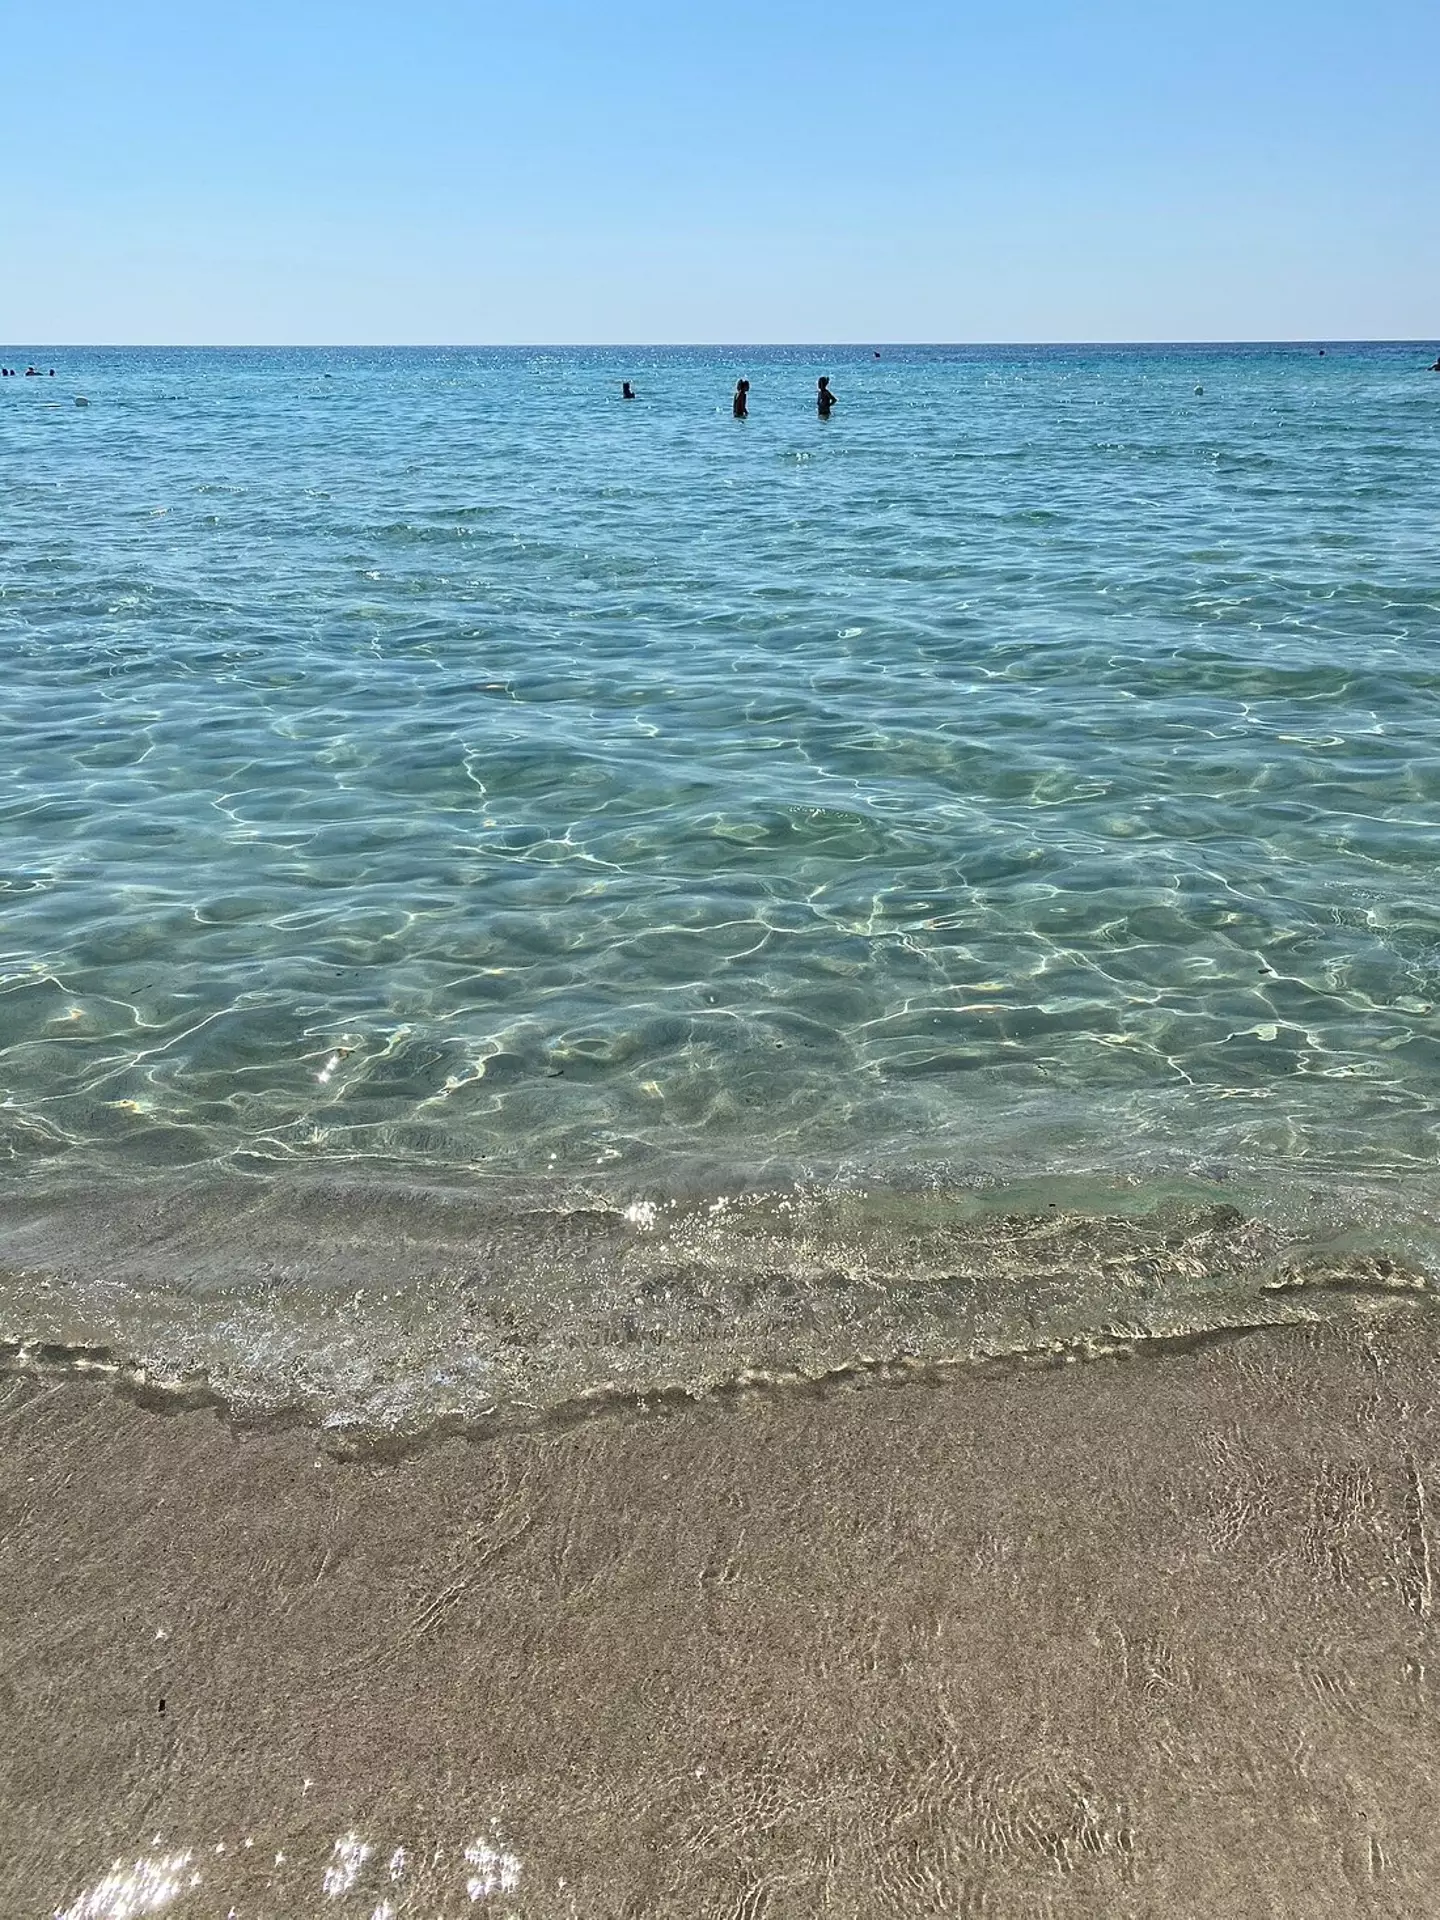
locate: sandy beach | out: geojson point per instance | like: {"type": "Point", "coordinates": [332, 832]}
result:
{"type": "Point", "coordinates": [1137, 1637]}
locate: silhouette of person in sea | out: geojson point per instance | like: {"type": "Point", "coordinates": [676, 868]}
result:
{"type": "Point", "coordinates": [627, 392]}
{"type": "Point", "coordinates": [741, 408]}
{"type": "Point", "coordinates": [824, 398]}
{"type": "Point", "coordinates": [1436, 367]}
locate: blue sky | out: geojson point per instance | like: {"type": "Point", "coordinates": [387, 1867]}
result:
{"type": "Point", "coordinates": [635, 171]}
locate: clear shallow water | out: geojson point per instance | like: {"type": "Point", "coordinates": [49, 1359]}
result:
{"type": "Point", "coordinates": [421, 765]}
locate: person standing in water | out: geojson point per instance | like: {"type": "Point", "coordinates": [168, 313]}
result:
{"type": "Point", "coordinates": [627, 392]}
{"type": "Point", "coordinates": [741, 408]}
{"type": "Point", "coordinates": [824, 398]}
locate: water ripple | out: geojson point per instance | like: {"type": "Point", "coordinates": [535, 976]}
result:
{"type": "Point", "coordinates": [438, 758]}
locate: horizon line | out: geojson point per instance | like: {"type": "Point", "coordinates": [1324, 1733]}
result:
{"type": "Point", "coordinates": [650, 346]}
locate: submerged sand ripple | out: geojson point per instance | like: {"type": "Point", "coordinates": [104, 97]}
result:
{"type": "Point", "coordinates": [1150, 1636]}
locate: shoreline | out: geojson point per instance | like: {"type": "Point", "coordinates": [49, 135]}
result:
{"type": "Point", "coordinates": [1149, 1635]}
{"type": "Point", "coordinates": [389, 1313]}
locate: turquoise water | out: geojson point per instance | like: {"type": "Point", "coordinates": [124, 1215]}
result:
{"type": "Point", "coordinates": [422, 769]}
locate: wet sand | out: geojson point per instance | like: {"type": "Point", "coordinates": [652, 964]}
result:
{"type": "Point", "coordinates": [1139, 1637]}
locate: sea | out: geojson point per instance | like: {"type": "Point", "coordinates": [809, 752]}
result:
{"type": "Point", "coordinates": [512, 897]}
